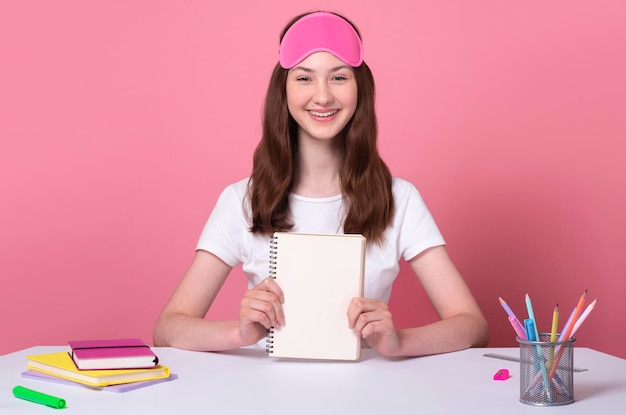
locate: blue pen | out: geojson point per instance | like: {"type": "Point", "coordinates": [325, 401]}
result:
{"type": "Point", "coordinates": [544, 371]}
{"type": "Point", "coordinates": [529, 325]}
{"type": "Point", "coordinates": [531, 333]}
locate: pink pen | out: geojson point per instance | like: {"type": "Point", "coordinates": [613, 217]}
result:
{"type": "Point", "coordinates": [517, 327]}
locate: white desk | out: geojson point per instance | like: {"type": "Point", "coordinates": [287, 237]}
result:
{"type": "Point", "coordinates": [246, 381]}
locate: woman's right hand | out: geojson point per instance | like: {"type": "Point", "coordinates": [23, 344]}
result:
{"type": "Point", "coordinates": [261, 308]}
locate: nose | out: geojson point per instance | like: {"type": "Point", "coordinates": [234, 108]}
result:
{"type": "Point", "coordinates": [323, 94]}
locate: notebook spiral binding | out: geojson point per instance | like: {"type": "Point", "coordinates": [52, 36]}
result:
{"type": "Point", "coordinates": [269, 338]}
{"type": "Point", "coordinates": [273, 252]}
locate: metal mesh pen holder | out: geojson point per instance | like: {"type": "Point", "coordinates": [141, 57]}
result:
{"type": "Point", "coordinates": [546, 371]}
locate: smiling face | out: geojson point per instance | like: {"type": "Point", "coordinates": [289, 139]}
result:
{"type": "Point", "coordinates": [321, 96]}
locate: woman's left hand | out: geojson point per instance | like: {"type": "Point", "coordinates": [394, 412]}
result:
{"type": "Point", "coordinates": [372, 321]}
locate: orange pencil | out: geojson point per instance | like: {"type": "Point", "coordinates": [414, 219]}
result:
{"type": "Point", "coordinates": [577, 311]}
{"type": "Point", "coordinates": [568, 333]}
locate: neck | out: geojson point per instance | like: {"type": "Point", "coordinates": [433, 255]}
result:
{"type": "Point", "coordinates": [318, 169]}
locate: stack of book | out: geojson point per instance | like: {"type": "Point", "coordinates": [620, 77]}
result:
{"type": "Point", "coordinates": [116, 365]}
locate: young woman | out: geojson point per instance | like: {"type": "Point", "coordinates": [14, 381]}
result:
{"type": "Point", "coordinates": [317, 169]}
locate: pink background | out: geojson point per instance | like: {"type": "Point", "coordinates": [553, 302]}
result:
{"type": "Point", "coordinates": [121, 121]}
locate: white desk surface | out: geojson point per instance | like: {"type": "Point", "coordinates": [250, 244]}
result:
{"type": "Point", "coordinates": [246, 381]}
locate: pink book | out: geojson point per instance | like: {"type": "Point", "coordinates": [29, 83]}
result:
{"type": "Point", "coordinates": [112, 354]}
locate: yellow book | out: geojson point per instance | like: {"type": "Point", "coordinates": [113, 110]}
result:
{"type": "Point", "coordinates": [60, 364]}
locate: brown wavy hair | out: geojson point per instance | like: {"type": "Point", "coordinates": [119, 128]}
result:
{"type": "Point", "coordinates": [365, 178]}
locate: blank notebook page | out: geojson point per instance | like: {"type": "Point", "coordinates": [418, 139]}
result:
{"type": "Point", "coordinates": [319, 275]}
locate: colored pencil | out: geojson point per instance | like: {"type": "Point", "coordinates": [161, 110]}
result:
{"type": "Point", "coordinates": [555, 325]}
{"type": "Point", "coordinates": [568, 334]}
{"type": "Point", "coordinates": [517, 325]}
{"type": "Point", "coordinates": [583, 316]}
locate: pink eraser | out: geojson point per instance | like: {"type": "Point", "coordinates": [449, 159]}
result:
{"type": "Point", "coordinates": [502, 374]}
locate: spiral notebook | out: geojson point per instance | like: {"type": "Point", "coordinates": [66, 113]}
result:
{"type": "Point", "coordinates": [319, 275]}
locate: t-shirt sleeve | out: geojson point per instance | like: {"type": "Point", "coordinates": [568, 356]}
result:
{"type": "Point", "coordinates": [226, 227]}
{"type": "Point", "coordinates": [418, 230]}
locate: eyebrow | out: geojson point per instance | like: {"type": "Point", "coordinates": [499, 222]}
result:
{"type": "Point", "coordinates": [309, 70]}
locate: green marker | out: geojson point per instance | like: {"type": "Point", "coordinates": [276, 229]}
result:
{"type": "Point", "coordinates": [38, 397]}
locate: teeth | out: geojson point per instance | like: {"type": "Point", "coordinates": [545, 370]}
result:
{"type": "Point", "coordinates": [323, 114]}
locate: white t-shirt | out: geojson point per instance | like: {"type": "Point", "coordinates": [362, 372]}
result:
{"type": "Point", "coordinates": [413, 229]}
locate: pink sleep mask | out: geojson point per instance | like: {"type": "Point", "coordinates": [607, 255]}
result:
{"type": "Point", "coordinates": [320, 32]}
